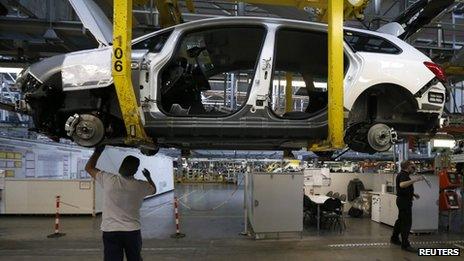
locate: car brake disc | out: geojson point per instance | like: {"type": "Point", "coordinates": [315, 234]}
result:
{"type": "Point", "coordinates": [380, 137]}
{"type": "Point", "coordinates": [86, 130]}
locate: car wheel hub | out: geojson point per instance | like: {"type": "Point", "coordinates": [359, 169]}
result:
{"type": "Point", "coordinates": [89, 131]}
{"type": "Point", "coordinates": [379, 137]}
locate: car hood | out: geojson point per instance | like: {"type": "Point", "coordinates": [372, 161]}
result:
{"type": "Point", "coordinates": [87, 69]}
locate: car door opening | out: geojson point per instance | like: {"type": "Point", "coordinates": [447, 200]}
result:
{"type": "Point", "coordinates": [211, 71]}
{"type": "Point", "coordinates": [301, 70]}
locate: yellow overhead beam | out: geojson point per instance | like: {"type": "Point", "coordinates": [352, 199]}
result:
{"type": "Point", "coordinates": [190, 6]}
{"type": "Point", "coordinates": [452, 70]}
{"type": "Point", "coordinates": [169, 12]}
{"type": "Point", "coordinates": [121, 66]}
{"type": "Point", "coordinates": [300, 4]}
{"type": "Point", "coordinates": [335, 82]}
{"type": "Point", "coordinates": [352, 8]}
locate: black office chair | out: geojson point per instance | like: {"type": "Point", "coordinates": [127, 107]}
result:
{"type": "Point", "coordinates": [329, 194]}
{"type": "Point", "coordinates": [332, 216]}
{"type": "Point", "coordinates": [309, 212]}
{"type": "Point", "coordinates": [342, 197]}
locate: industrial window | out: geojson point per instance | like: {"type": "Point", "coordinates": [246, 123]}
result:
{"type": "Point", "coordinates": [361, 42]}
{"type": "Point", "coordinates": [299, 83]}
{"type": "Point", "coordinates": [154, 44]}
{"type": "Point", "coordinates": [211, 72]}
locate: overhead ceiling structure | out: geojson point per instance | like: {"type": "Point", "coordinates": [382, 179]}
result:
{"type": "Point", "coordinates": [94, 19]}
{"type": "Point", "coordinates": [30, 30]}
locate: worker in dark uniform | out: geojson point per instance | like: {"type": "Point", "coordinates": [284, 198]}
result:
{"type": "Point", "coordinates": [459, 150]}
{"type": "Point", "coordinates": [405, 195]}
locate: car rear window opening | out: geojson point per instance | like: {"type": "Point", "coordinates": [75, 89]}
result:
{"type": "Point", "coordinates": [361, 42]}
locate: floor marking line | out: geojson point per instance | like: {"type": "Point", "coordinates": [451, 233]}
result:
{"type": "Point", "coordinates": [101, 249]}
{"type": "Point", "coordinates": [362, 244]}
{"type": "Point", "coordinates": [78, 249]}
{"type": "Point", "coordinates": [169, 248]}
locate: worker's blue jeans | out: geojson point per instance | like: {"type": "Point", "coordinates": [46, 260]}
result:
{"type": "Point", "coordinates": [119, 242]}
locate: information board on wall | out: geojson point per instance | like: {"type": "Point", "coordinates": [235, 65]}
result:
{"type": "Point", "coordinates": [50, 165]}
{"type": "Point", "coordinates": [317, 177]}
{"type": "Point", "coordinates": [2, 179]}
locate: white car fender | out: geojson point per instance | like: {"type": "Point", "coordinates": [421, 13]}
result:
{"type": "Point", "coordinates": [376, 69]}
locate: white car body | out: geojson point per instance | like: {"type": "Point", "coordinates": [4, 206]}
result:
{"type": "Point", "coordinates": [368, 74]}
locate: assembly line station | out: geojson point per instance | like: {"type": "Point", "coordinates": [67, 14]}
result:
{"type": "Point", "coordinates": [272, 130]}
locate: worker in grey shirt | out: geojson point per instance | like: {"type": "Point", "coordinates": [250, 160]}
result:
{"type": "Point", "coordinates": [122, 198]}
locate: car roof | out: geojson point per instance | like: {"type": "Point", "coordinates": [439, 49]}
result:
{"type": "Point", "coordinates": [227, 20]}
{"type": "Point", "coordinates": [267, 20]}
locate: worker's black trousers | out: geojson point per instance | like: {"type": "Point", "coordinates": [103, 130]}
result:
{"type": "Point", "coordinates": [119, 242]}
{"type": "Point", "coordinates": [404, 222]}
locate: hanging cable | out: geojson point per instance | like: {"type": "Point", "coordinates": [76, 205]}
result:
{"type": "Point", "coordinates": [217, 206]}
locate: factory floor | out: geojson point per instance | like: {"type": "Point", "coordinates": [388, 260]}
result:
{"type": "Point", "coordinates": [212, 219]}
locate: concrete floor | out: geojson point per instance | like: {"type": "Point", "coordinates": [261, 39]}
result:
{"type": "Point", "coordinates": [210, 234]}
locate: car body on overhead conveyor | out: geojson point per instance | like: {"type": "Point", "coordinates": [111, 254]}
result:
{"type": "Point", "coordinates": [220, 84]}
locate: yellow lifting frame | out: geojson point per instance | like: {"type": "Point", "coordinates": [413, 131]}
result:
{"type": "Point", "coordinates": [122, 35]}
{"type": "Point", "coordinates": [336, 74]}
{"type": "Point", "coordinates": [121, 70]}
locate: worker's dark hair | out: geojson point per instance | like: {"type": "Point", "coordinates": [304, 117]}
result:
{"type": "Point", "coordinates": [405, 164]}
{"type": "Point", "coordinates": [129, 166]}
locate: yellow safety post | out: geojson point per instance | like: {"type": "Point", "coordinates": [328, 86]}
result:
{"type": "Point", "coordinates": [335, 83]}
{"type": "Point", "coordinates": [288, 92]}
{"type": "Point", "coordinates": [121, 63]}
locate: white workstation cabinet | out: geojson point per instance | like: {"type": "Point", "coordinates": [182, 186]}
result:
{"type": "Point", "coordinates": [275, 203]}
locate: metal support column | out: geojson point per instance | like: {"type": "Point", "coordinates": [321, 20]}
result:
{"type": "Point", "coordinates": [439, 36]}
{"type": "Point", "coordinates": [288, 92]}
{"type": "Point", "coordinates": [335, 83]}
{"type": "Point", "coordinates": [121, 60]}
{"type": "Point", "coordinates": [403, 153]}
{"type": "Point", "coordinates": [233, 87]}
{"type": "Point", "coordinates": [226, 78]}
{"type": "Point", "coordinates": [377, 11]}
{"type": "Point", "coordinates": [241, 8]}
